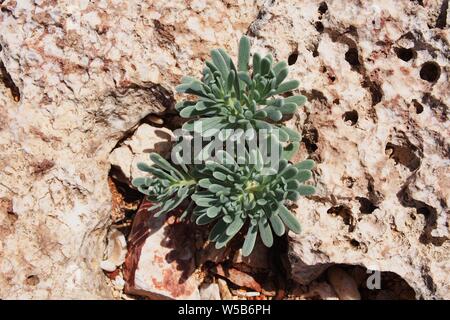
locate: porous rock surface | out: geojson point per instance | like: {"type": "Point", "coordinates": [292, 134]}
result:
{"type": "Point", "coordinates": [78, 76]}
{"type": "Point", "coordinates": [145, 140]}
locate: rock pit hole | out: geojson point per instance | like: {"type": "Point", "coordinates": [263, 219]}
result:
{"type": "Point", "coordinates": [430, 71]}
{"type": "Point", "coordinates": [403, 154]}
{"type": "Point", "coordinates": [405, 54]}
{"type": "Point", "coordinates": [5, 77]}
{"type": "Point", "coordinates": [345, 213]}
{"type": "Point", "coordinates": [292, 59]}
{"type": "Point", "coordinates": [350, 117]}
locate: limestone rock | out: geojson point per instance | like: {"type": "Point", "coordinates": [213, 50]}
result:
{"type": "Point", "coordinates": [160, 262]}
{"type": "Point", "coordinates": [115, 252]}
{"type": "Point", "coordinates": [77, 77]}
{"type": "Point", "coordinates": [239, 278]}
{"type": "Point", "coordinates": [377, 78]}
{"type": "Point", "coordinates": [145, 140]}
{"type": "Point", "coordinates": [344, 285]}
{"type": "Point", "coordinates": [225, 292]}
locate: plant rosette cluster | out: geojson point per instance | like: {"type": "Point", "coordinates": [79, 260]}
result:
{"type": "Point", "coordinates": [233, 192]}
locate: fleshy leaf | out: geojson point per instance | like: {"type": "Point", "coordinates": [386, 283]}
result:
{"type": "Point", "coordinates": [244, 54]}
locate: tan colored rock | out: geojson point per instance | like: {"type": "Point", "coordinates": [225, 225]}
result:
{"type": "Point", "coordinates": [145, 140]}
{"type": "Point", "coordinates": [116, 251]}
{"type": "Point", "coordinates": [225, 293]}
{"type": "Point", "coordinates": [239, 278]}
{"type": "Point", "coordinates": [160, 262]}
{"type": "Point", "coordinates": [377, 78]}
{"type": "Point", "coordinates": [344, 285]}
{"type": "Point", "coordinates": [78, 76]}
{"type": "Point", "coordinates": [75, 78]}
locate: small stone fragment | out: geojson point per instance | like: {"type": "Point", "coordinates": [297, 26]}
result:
{"type": "Point", "coordinates": [343, 284]}
{"type": "Point", "coordinates": [239, 278]}
{"type": "Point", "coordinates": [137, 148]}
{"type": "Point", "coordinates": [242, 293]}
{"type": "Point", "coordinates": [116, 250]}
{"type": "Point", "coordinates": [108, 266]}
{"type": "Point", "coordinates": [155, 119]}
{"type": "Point", "coordinates": [225, 293]}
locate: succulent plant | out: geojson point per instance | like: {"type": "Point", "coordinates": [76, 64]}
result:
{"type": "Point", "coordinates": [233, 194]}
{"type": "Point", "coordinates": [168, 186]}
{"type": "Point", "coordinates": [232, 98]}
{"type": "Point", "coordinates": [230, 193]}
{"type": "Point", "coordinates": [246, 191]}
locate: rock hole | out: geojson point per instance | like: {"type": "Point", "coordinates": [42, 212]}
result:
{"type": "Point", "coordinates": [351, 56]}
{"type": "Point", "coordinates": [323, 7]}
{"type": "Point", "coordinates": [292, 58]}
{"type": "Point", "coordinates": [429, 213]}
{"type": "Point", "coordinates": [345, 213]}
{"type": "Point", "coordinates": [424, 211]}
{"type": "Point", "coordinates": [441, 21]}
{"type": "Point", "coordinates": [310, 138]}
{"type": "Point", "coordinates": [427, 279]}
{"type": "Point", "coordinates": [366, 206]}
{"type": "Point", "coordinates": [404, 53]}
{"type": "Point", "coordinates": [315, 52]}
{"type": "Point", "coordinates": [429, 282]}
{"type": "Point", "coordinates": [125, 199]}
{"type": "Point", "coordinates": [316, 95]}
{"type": "Point", "coordinates": [350, 117]}
{"type": "Point", "coordinates": [390, 286]}
{"type": "Point", "coordinates": [32, 280]}
{"type": "Point", "coordinates": [5, 77]}
{"type": "Point", "coordinates": [376, 93]}
{"type": "Point", "coordinates": [348, 182]}
{"type": "Point", "coordinates": [430, 71]}
{"type": "Point", "coordinates": [403, 154]}
{"type": "Point", "coordinates": [418, 107]}
{"type": "Point", "coordinates": [319, 26]}
{"type": "Point", "coordinates": [355, 243]}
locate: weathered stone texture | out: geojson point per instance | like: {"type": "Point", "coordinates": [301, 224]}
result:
{"type": "Point", "coordinates": [78, 76]}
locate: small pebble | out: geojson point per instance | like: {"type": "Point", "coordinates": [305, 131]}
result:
{"type": "Point", "coordinates": [155, 119]}
{"type": "Point", "coordinates": [225, 293]}
{"type": "Point", "coordinates": [344, 285]}
{"type": "Point", "coordinates": [245, 293]}
{"type": "Point", "coordinates": [119, 282]}
{"type": "Point", "coordinates": [108, 266]}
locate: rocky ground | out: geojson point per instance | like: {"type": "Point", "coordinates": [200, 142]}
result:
{"type": "Point", "coordinates": [84, 84]}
